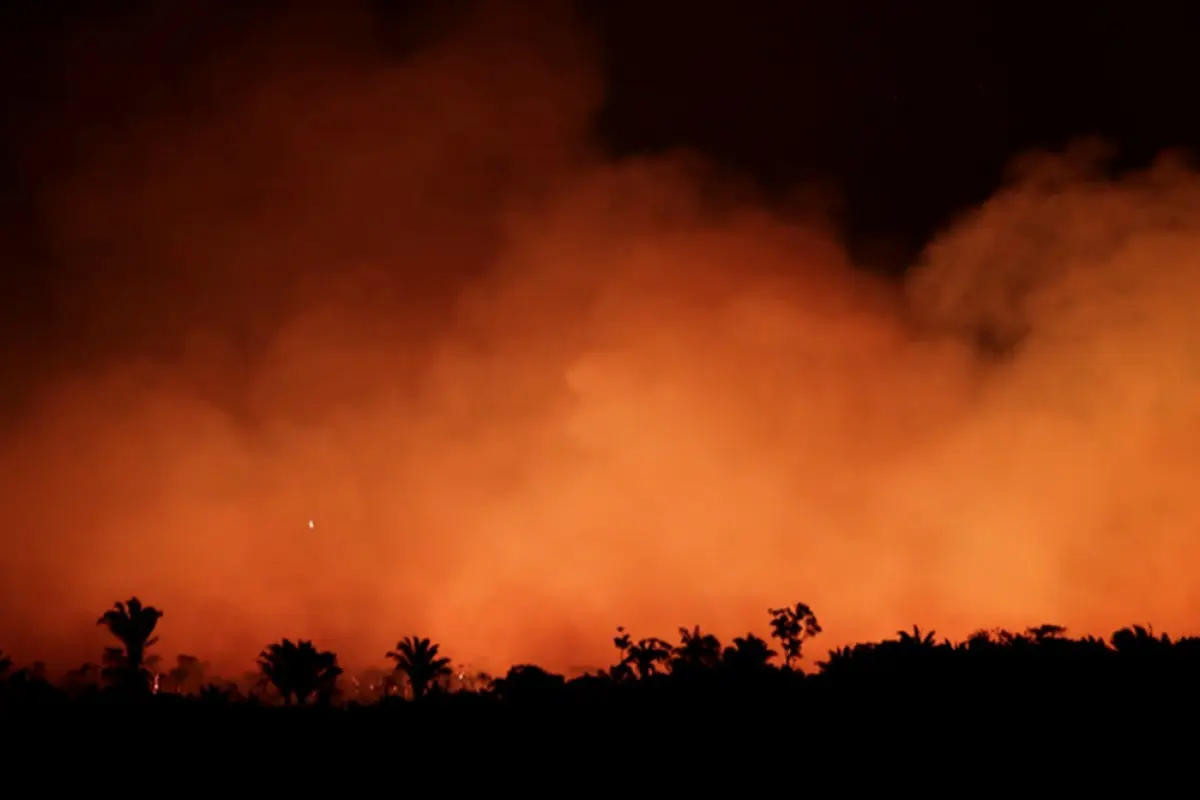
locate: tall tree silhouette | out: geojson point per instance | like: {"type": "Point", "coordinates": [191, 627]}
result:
{"type": "Point", "coordinates": [299, 670]}
{"type": "Point", "coordinates": [793, 626]}
{"type": "Point", "coordinates": [5, 664]}
{"type": "Point", "coordinates": [114, 667]}
{"type": "Point", "coordinates": [418, 659]}
{"type": "Point", "coordinates": [133, 625]}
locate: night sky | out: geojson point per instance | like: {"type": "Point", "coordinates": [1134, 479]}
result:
{"type": "Point", "coordinates": [909, 111]}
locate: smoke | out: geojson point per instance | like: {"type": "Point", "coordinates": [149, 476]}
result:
{"type": "Point", "coordinates": [526, 393]}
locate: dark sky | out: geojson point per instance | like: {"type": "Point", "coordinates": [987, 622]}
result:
{"type": "Point", "coordinates": [911, 109]}
{"type": "Point", "coordinates": [908, 112]}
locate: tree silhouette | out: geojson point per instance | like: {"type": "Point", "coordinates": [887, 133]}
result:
{"type": "Point", "coordinates": [418, 659]}
{"type": "Point", "coordinates": [649, 656]}
{"type": "Point", "coordinates": [792, 627]}
{"type": "Point", "coordinates": [372, 684]}
{"type": "Point", "coordinates": [133, 625]}
{"type": "Point", "coordinates": [468, 680]}
{"type": "Point", "coordinates": [527, 682]}
{"type": "Point", "coordinates": [1139, 640]}
{"type": "Point", "coordinates": [255, 682]}
{"type": "Point", "coordinates": [27, 682]}
{"type": "Point", "coordinates": [113, 667]}
{"type": "Point", "coordinates": [917, 641]}
{"type": "Point", "coordinates": [35, 671]}
{"type": "Point", "coordinates": [621, 671]}
{"type": "Point", "coordinates": [299, 670]}
{"type": "Point", "coordinates": [82, 680]}
{"type": "Point", "coordinates": [188, 676]}
{"type": "Point", "coordinates": [748, 653]}
{"type": "Point", "coordinates": [842, 660]}
{"type": "Point", "coordinates": [1038, 668]}
{"type": "Point", "coordinates": [217, 695]}
{"type": "Point", "coordinates": [980, 641]}
{"type": "Point", "coordinates": [696, 650]}
{"type": "Point", "coordinates": [1045, 632]}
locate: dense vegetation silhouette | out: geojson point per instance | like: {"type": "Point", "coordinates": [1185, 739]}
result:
{"type": "Point", "coordinates": [1040, 669]}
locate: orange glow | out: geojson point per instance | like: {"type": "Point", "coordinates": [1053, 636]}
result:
{"type": "Point", "coordinates": [528, 394]}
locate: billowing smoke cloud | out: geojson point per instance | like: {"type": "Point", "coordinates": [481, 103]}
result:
{"type": "Point", "coordinates": [526, 394]}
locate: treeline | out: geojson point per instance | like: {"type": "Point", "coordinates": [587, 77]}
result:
{"type": "Point", "coordinates": [1041, 658]}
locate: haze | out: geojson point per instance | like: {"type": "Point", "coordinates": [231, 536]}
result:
{"type": "Point", "coordinates": [527, 393]}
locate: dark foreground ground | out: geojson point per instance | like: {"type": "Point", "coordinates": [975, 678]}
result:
{"type": "Point", "coordinates": [718, 714]}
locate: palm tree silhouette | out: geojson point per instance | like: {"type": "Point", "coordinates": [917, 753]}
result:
{"type": "Point", "coordinates": [917, 641]}
{"type": "Point", "coordinates": [133, 625]}
{"type": "Point", "coordinates": [749, 653]}
{"type": "Point", "coordinates": [844, 660]}
{"type": "Point", "coordinates": [696, 650]}
{"type": "Point", "coordinates": [649, 656]}
{"type": "Point", "coordinates": [299, 670]}
{"type": "Point", "coordinates": [418, 659]}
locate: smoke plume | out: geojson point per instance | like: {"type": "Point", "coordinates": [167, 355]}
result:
{"type": "Point", "coordinates": [526, 393]}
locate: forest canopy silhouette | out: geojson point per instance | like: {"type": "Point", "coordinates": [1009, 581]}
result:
{"type": "Point", "coordinates": [525, 391]}
{"type": "Point", "coordinates": [756, 674]}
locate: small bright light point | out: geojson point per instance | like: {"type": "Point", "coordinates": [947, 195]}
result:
{"type": "Point", "coordinates": [310, 524]}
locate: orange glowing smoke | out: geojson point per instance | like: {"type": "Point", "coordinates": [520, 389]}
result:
{"type": "Point", "coordinates": [528, 394]}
